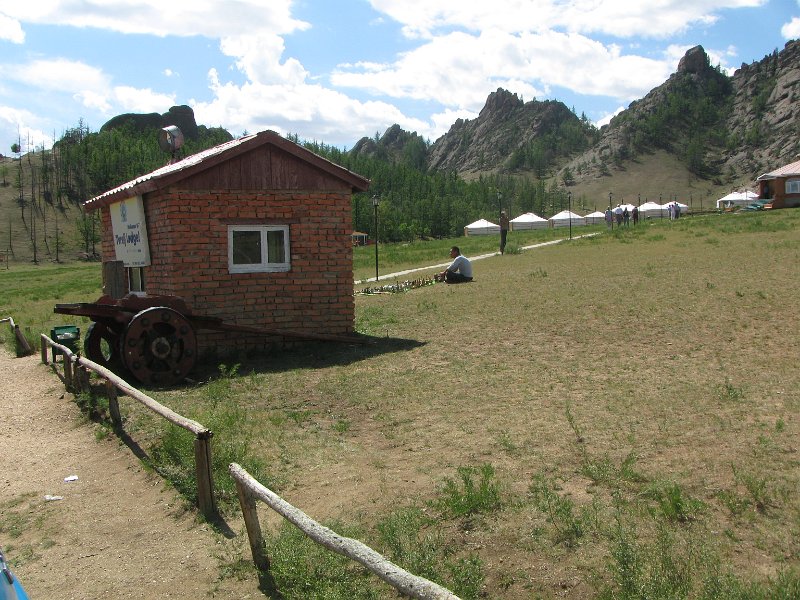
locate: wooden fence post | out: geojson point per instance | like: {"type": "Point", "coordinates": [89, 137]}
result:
{"type": "Point", "coordinates": [205, 479]}
{"type": "Point", "coordinates": [248, 505]}
{"type": "Point", "coordinates": [24, 348]}
{"type": "Point", "coordinates": [113, 404]}
{"type": "Point", "coordinates": [68, 374]}
{"type": "Point", "coordinates": [43, 348]}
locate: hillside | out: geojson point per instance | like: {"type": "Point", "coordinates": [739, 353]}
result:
{"type": "Point", "coordinates": [700, 134]}
{"type": "Point", "coordinates": [45, 231]}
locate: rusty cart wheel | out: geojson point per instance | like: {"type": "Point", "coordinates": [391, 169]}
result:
{"type": "Point", "coordinates": [159, 346]}
{"type": "Point", "coordinates": [101, 345]}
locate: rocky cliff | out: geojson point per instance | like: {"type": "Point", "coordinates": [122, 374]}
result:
{"type": "Point", "coordinates": [721, 128]}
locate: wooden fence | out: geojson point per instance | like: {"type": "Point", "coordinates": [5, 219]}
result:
{"type": "Point", "coordinates": [76, 378]}
{"type": "Point", "coordinates": [23, 347]}
{"type": "Point", "coordinates": [249, 490]}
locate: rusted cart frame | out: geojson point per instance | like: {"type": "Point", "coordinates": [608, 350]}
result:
{"type": "Point", "coordinates": [153, 337]}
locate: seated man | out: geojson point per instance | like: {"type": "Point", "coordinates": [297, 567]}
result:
{"type": "Point", "coordinates": [459, 271]}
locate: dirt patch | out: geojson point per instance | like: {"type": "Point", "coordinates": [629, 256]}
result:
{"type": "Point", "coordinates": [117, 531]}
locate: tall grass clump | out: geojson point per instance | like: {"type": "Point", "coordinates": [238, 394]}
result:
{"type": "Point", "coordinates": [464, 496]}
{"type": "Point", "coordinates": [411, 541]}
{"type": "Point", "coordinates": [303, 570]}
{"type": "Point", "coordinates": [173, 454]}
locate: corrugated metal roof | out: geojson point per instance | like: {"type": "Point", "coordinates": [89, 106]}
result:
{"type": "Point", "coordinates": [155, 179]}
{"type": "Point", "coordinates": [785, 171]}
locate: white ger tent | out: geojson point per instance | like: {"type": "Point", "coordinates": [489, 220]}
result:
{"type": "Point", "coordinates": [528, 221]}
{"type": "Point", "coordinates": [595, 217]}
{"type": "Point", "coordinates": [737, 199]}
{"type": "Point", "coordinates": [482, 227]}
{"type": "Point", "coordinates": [652, 210]}
{"type": "Point", "coordinates": [563, 219]}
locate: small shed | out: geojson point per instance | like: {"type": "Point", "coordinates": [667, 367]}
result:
{"type": "Point", "coordinates": [360, 238]}
{"type": "Point", "coordinates": [782, 186]}
{"type": "Point", "coordinates": [256, 232]}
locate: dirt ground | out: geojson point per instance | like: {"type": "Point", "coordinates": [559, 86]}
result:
{"type": "Point", "coordinates": [117, 531]}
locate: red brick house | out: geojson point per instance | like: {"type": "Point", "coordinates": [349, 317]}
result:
{"type": "Point", "coordinates": [256, 232]}
{"type": "Point", "coordinates": [782, 186]}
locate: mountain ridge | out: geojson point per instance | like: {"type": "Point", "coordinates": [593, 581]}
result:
{"type": "Point", "coordinates": [724, 130]}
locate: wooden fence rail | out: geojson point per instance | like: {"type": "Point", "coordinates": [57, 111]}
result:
{"type": "Point", "coordinates": [23, 347]}
{"type": "Point", "coordinates": [249, 490]}
{"type": "Point", "coordinates": [76, 378]}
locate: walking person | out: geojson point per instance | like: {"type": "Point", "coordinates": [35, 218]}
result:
{"type": "Point", "coordinates": [609, 218]}
{"type": "Point", "coordinates": [635, 215]}
{"type": "Point", "coordinates": [503, 231]}
{"type": "Point", "coordinates": [626, 216]}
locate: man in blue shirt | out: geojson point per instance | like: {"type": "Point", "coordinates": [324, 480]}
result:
{"type": "Point", "coordinates": [459, 271]}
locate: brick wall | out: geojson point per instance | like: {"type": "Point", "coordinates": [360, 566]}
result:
{"type": "Point", "coordinates": [188, 235]}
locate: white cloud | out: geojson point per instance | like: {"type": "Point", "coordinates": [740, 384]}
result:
{"type": "Point", "coordinates": [607, 118]}
{"type": "Point", "coordinates": [258, 57]}
{"type": "Point", "coordinates": [56, 75]}
{"type": "Point", "coordinates": [623, 18]}
{"type": "Point", "coordinates": [11, 29]}
{"type": "Point", "coordinates": [791, 30]}
{"type": "Point", "coordinates": [311, 111]}
{"type": "Point", "coordinates": [16, 124]}
{"type": "Point", "coordinates": [141, 100]}
{"type": "Point", "coordinates": [208, 18]}
{"type": "Point", "coordinates": [459, 69]}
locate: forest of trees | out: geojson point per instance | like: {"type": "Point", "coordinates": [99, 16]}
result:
{"type": "Point", "coordinates": [415, 204]}
{"type": "Point", "coordinates": [50, 186]}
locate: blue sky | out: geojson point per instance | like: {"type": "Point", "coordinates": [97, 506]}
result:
{"type": "Point", "coordinates": [335, 71]}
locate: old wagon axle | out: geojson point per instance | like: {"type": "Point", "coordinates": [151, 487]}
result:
{"type": "Point", "coordinates": [153, 337]}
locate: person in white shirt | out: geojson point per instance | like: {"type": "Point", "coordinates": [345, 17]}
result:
{"type": "Point", "coordinates": [459, 271]}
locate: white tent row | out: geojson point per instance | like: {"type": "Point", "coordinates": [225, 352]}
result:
{"type": "Point", "coordinates": [653, 210]}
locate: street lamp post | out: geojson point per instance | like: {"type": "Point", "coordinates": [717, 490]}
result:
{"type": "Point", "coordinates": [375, 201]}
{"type": "Point", "coordinates": [569, 208]}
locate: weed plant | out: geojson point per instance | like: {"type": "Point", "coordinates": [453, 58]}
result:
{"type": "Point", "coordinates": [464, 496]}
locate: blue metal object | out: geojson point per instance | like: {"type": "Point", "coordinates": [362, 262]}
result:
{"type": "Point", "coordinates": [10, 587]}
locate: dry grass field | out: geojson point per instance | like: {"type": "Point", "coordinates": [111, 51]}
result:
{"type": "Point", "coordinates": [622, 410]}
{"type": "Point", "coordinates": [614, 417]}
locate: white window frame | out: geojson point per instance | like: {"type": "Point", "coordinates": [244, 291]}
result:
{"type": "Point", "coordinates": [264, 266]}
{"type": "Point", "coordinates": [136, 281]}
{"type": "Point", "coordinates": [793, 186]}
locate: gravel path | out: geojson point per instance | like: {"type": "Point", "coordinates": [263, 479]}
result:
{"type": "Point", "coordinates": [117, 531]}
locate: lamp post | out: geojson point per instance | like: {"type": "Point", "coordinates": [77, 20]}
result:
{"type": "Point", "coordinates": [375, 201]}
{"type": "Point", "coordinates": [569, 208]}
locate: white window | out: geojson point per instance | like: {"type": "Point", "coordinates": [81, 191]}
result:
{"type": "Point", "coordinates": [793, 186]}
{"type": "Point", "coordinates": [258, 248]}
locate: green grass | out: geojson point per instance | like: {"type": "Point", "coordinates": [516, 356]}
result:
{"type": "Point", "coordinates": [402, 256]}
{"type": "Point", "coordinates": [28, 294]}
{"type": "Point", "coordinates": [633, 399]}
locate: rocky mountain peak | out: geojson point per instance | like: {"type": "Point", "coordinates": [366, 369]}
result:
{"type": "Point", "coordinates": [695, 61]}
